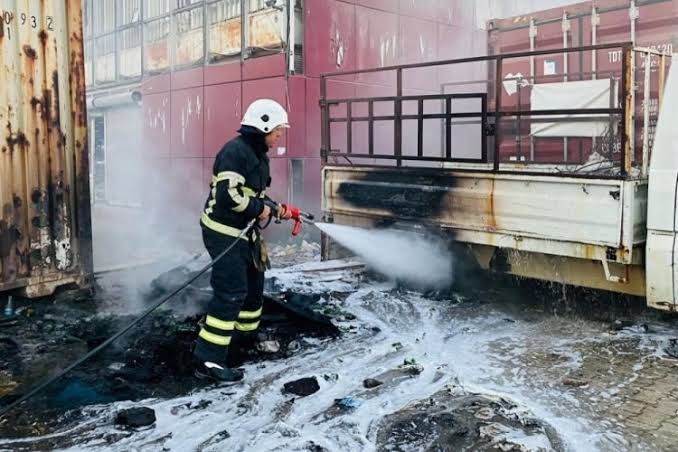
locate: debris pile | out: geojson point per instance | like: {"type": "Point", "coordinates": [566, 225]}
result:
{"type": "Point", "coordinates": [152, 360]}
{"type": "Point", "coordinates": [454, 419]}
{"type": "Point", "coordinates": [410, 371]}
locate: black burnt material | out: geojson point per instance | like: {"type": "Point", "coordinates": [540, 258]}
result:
{"type": "Point", "coordinates": [302, 387]}
{"type": "Point", "coordinates": [383, 190]}
{"type": "Point", "coordinates": [135, 417]}
{"type": "Point", "coordinates": [152, 360]}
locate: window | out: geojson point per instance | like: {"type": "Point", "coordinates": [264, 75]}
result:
{"type": "Point", "coordinates": [257, 5]}
{"type": "Point", "coordinates": [129, 12]}
{"type": "Point", "coordinates": [267, 26]}
{"type": "Point", "coordinates": [87, 18]}
{"type": "Point", "coordinates": [126, 38]}
{"type": "Point", "coordinates": [189, 28]}
{"type": "Point", "coordinates": [185, 3]}
{"type": "Point", "coordinates": [128, 35]}
{"type": "Point", "coordinates": [156, 8]}
{"type": "Point", "coordinates": [225, 29]}
{"type": "Point", "coordinates": [104, 16]}
{"type": "Point", "coordinates": [104, 48]}
{"type": "Point", "coordinates": [129, 48]}
{"type": "Point", "coordinates": [156, 45]}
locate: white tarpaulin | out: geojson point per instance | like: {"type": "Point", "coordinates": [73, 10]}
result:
{"type": "Point", "coordinates": [569, 96]}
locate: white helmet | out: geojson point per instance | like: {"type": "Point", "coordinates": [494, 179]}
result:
{"type": "Point", "coordinates": [265, 115]}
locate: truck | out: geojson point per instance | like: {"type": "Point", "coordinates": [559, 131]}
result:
{"type": "Point", "coordinates": [540, 162]}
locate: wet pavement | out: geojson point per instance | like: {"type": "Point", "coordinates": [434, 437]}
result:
{"type": "Point", "coordinates": [502, 367]}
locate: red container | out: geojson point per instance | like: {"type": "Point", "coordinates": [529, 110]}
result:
{"type": "Point", "coordinates": [654, 24]}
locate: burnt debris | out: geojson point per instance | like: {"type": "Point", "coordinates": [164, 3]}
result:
{"type": "Point", "coordinates": [135, 417]}
{"type": "Point", "coordinates": [153, 360]}
{"type": "Point", "coordinates": [302, 387]}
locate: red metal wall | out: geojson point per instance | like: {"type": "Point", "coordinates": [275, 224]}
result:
{"type": "Point", "coordinates": [188, 115]}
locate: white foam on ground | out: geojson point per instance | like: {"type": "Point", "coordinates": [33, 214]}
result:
{"type": "Point", "coordinates": [443, 336]}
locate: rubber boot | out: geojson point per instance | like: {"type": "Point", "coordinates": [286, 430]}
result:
{"type": "Point", "coordinates": [212, 371]}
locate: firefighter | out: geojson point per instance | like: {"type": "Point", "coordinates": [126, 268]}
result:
{"type": "Point", "coordinates": [240, 177]}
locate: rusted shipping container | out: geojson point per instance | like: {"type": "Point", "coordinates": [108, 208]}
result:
{"type": "Point", "coordinates": [45, 228]}
{"type": "Point", "coordinates": [645, 23]}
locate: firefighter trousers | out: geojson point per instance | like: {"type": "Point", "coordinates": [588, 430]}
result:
{"type": "Point", "coordinates": [237, 298]}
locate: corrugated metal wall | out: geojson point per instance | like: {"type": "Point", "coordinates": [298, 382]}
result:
{"type": "Point", "coordinates": [45, 230]}
{"type": "Point", "coordinates": [656, 26]}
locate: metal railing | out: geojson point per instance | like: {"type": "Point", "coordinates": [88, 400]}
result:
{"type": "Point", "coordinates": [492, 116]}
{"type": "Point", "coordinates": [420, 116]}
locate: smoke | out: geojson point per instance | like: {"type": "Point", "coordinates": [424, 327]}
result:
{"type": "Point", "coordinates": [406, 256]}
{"type": "Point", "coordinates": [146, 210]}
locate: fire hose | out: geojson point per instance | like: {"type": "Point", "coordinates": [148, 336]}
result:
{"type": "Point", "coordinates": [298, 217]}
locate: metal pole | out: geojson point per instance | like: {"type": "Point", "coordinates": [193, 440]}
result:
{"type": "Point", "coordinates": [662, 80]}
{"type": "Point", "coordinates": [398, 126]}
{"type": "Point", "coordinates": [325, 121]}
{"type": "Point", "coordinates": [483, 128]}
{"type": "Point", "coordinates": [519, 122]}
{"type": "Point", "coordinates": [627, 110]}
{"type": "Point", "coordinates": [420, 128]}
{"type": "Point", "coordinates": [595, 21]}
{"type": "Point", "coordinates": [370, 127]}
{"type": "Point", "coordinates": [244, 30]}
{"type": "Point", "coordinates": [613, 103]}
{"type": "Point", "coordinates": [290, 35]}
{"type": "Point", "coordinates": [533, 36]}
{"type": "Point", "coordinates": [646, 114]}
{"type": "Point", "coordinates": [448, 128]}
{"type": "Point", "coordinates": [633, 15]}
{"type": "Point", "coordinates": [349, 127]}
{"type": "Point", "coordinates": [565, 28]}
{"type": "Point", "coordinates": [497, 113]}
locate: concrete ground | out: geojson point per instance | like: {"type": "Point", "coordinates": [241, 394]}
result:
{"type": "Point", "coordinates": [622, 380]}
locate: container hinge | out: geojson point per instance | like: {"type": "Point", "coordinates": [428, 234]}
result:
{"type": "Point", "coordinates": [490, 130]}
